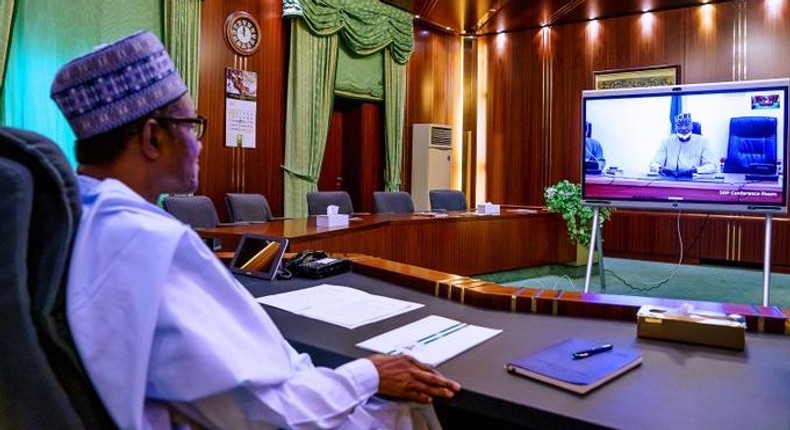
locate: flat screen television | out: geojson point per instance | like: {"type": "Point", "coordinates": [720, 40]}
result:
{"type": "Point", "coordinates": [716, 147]}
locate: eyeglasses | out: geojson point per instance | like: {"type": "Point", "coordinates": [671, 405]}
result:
{"type": "Point", "coordinates": [198, 125]}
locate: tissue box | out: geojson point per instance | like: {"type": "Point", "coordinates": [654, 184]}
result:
{"type": "Point", "coordinates": [697, 327]}
{"type": "Point", "coordinates": [488, 209]}
{"type": "Point", "coordinates": [338, 220]}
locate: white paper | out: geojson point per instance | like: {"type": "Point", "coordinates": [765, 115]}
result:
{"type": "Point", "coordinates": [431, 340]}
{"type": "Point", "coordinates": [335, 304]}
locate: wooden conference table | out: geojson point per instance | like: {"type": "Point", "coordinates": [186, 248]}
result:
{"type": "Point", "coordinates": [677, 387]}
{"type": "Point", "coordinates": [461, 243]}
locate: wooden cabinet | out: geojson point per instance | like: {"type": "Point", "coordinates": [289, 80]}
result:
{"type": "Point", "coordinates": [707, 238]}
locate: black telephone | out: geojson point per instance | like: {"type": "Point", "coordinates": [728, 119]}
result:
{"type": "Point", "coordinates": [305, 257]}
{"type": "Point", "coordinates": [316, 264]}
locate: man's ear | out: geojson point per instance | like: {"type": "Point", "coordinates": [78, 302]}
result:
{"type": "Point", "coordinates": [149, 139]}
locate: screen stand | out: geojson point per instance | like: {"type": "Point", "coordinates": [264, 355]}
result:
{"type": "Point", "coordinates": [601, 270]}
{"type": "Point", "coordinates": [767, 263]}
{"type": "Point", "coordinates": [595, 241]}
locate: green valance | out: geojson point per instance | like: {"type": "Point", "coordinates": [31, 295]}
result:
{"type": "Point", "coordinates": [367, 25]}
{"type": "Point", "coordinates": [360, 77]}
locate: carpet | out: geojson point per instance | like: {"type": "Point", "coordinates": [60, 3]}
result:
{"type": "Point", "coordinates": [643, 278]}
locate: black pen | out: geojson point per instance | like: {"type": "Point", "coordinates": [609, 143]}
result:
{"type": "Point", "coordinates": [592, 351]}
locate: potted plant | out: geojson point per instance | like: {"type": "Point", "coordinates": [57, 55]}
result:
{"type": "Point", "coordinates": [565, 198]}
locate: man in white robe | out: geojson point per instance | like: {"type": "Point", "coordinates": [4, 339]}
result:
{"type": "Point", "coordinates": [683, 153]}
{"type": "Point", "coordinates": [165, 332]}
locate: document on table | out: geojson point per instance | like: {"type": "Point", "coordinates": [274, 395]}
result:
{"type": "Point", "coordinates": [432, 340]}
{"type": "Point", "coordinates": [335, 304]}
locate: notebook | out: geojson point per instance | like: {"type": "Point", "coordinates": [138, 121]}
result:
{"type": "Point", "coordinates": [258, 256]}
{"type": "Point", "coordinates": [556, 365]}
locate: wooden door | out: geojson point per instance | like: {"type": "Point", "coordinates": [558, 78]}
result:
{"type": "Point", "coordinates": [354, 155]}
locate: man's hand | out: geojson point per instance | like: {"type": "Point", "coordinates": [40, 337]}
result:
{"type": "Point", "coordinates": [405, 378]}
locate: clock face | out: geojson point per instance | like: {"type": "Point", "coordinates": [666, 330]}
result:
{"type": "Point", "coordinates": [242, 33]}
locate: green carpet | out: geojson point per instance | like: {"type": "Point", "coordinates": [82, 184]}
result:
{"type": "Point", "coordinates": [690, 282]}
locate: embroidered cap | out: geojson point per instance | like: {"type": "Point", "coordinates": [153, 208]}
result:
{"type": "Point", "coordinates": [116, 84]}
{"type": "Point", "coordinates": [683, 119]}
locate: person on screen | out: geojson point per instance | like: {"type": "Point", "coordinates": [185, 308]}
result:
{"type": "Point", "coordinates": [593, 151]}
{"type": "Point", "coordinates": [165, 332]}
{"type": "Point", "coordinates": [683, 153]}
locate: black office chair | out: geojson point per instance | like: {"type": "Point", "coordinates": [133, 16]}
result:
{"type": "Point", "coordinates": [447, 200]}
{"type": "Point", "coordinates": [397, 202]}
{"type": "Point", "coordinates": [43, 384]}
{"type": "Point", "coordinates": [197, 212]}
{"type": "Point", "coordinates": [248, 208]}
{"type": "Point", "coordinates": [318, 201]}
{"type": "Point", "coordinates": [752, 145]}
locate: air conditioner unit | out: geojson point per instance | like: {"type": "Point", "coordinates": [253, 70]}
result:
{"type": "Point", "coordinates": [432, 147]}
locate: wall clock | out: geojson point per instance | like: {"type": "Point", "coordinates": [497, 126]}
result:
{"type": "Point", "coordinates": [242, 33]}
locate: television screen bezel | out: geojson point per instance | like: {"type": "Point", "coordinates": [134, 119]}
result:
{"type": "Point", "coordinates": [781, 84]}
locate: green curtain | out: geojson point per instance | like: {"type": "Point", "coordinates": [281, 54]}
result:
{"type": "Point", "coordinates": [368, 25]}
{"type": "Point", "coordinates": [394, 106]}
{"type": "Point", "coordinates": [6, 19]}
{"type": "Point", "coordinates": [46, 35]}
{"type": "Point", "coordinates": [181, 37]}
{"type": "Point", "coordinates": [360, 77]}
{"type": "Point", "coordinates": [311, 82]}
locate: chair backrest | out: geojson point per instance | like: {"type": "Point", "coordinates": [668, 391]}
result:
{"type": "Point", "coordinates": [42, 381]}
{"type": "Point", "coordinates": [752, 142]}
{"type": "Point", "coordinates": [318, 201]}
{"type": "Point", "coordinates": [247, 207]}
{"type": "Point", "coordinates": [397, 202]}
{"type": "Point", "coordinates": [196, 211]}
{"type": "Point", "coordinates": [449, 200]}
{"type": "Point", "coordinates": [696, 128]}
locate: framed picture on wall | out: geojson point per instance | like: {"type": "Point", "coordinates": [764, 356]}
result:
{"type": "Point", "coordinates": [653, 76]}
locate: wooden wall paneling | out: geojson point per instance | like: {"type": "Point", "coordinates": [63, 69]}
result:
{"type": "Point", "coordinates": [653, 236]}
{"type": "Point", "coordinates": [752, 240]}
{"type": "Point", "coordinates": [470, 132]}
{"type": "Point", "coordinates": [715, 244]}
{"type": "Point", "coordinates": [514, 114]}
{"type": "Point", "coordinates": [708, 46]}
{"type": "Point", "coordinates": [571, 67]}
{"type": "Point", "coordinates": [432, 94]}
{"type": "Point", "coordinates": [767, 40]}
{"type": "Point", "coordinates": [262, 173]}
{"type": "Point", "coordinates": [781, 246]}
